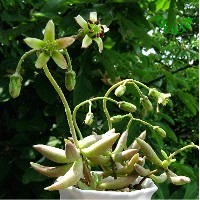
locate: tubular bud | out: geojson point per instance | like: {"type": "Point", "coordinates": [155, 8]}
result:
{"type": "Point", "coordinates": [116, 118]}
{"type": "Point", "coordinates": [120, 90]}
{"type": "Point", "coordinates": [126, 106]}
{"type": "Point", "coordinates": [146, 103]}
{"type": "Point", "coordinates": [124, 155]}
{"type": "Point", "coordinates": [135, 145]}
{"type": "Point", "coordinates": [89, 140]}
{"type": "Point", "coordinates": [100, 160]}
{"type": "Point", "coordinates": [129, 167]}
{"type": "Point", "coordinates": [51, 171]}
{"type": "Point", "coordinates": [118, 183]}
{"type": "Point", "coordinates": [159, 131]}
{"type": "Point", "coordinates": [52, 153]}
{"type": "Point", "coordinates": [121, 143]}
{"type": "Point", "coordinates": [149, 152]}
{"type": "Point", "coordinates": [70, 178]}
{"type": "Point", "coordinates": [141, 170]}
{"type": "Point", "coordinates": [71, 152]}
{"type": "Point", "coordinates": [70, 80]}
{"type": "Point", "coordinates": [89, 118]}
{"type": "Point", "coordinates": [100, 146]}
{"type": "Point", "coordinates": [159, 179]}
{"type": "Point", "coordinates": [15, 84]}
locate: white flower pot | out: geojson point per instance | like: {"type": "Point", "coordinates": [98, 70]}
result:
{"type": "Point", "coordinates": [149, 188]}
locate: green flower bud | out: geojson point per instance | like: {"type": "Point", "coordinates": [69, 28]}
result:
{"type": "Point", "coordinates": [146, 103]}
{"type": "Point", "coordinates": [70, 80]}
{"type": "Point", "coordinates": [116, 118]}
{"type": "Point", "coordinates": [127, 106]}
{"type": "Point", "coordinates": [15, 85]}
{"type": "Point", "coordinates": [89, 118]}
{"type": "Point", "coordinates": [160, 131]}
{"type": "Point", "coordinates": [120, 90]}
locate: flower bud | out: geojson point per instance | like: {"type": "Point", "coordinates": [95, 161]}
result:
{"type": "Point", "coordinates": [160, 131]}
{"type": "Point", "coordinates": [120, 90]}
{"type": "Point", "coordinates": [146, 103]}
{"type": "Point", "coordinates": [89, 118]}
{"type": "Point", "coordinates": [70, 80]}
{"type": "Point", "coordinates": [127, 106]}
{"type": "Point", "coordinates": [15, 84]}
{"type": "Point", "coordinates": [116, 118]}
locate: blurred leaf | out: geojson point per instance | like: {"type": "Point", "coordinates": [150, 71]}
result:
{"type": "Point", "coordinates": [191, 191]}
{"type": "Point", "coordinates": [171, 19]}
{"type": "Point", "coordinates": [4, 93]}
{"type": "Point", "coordinates": [189, 101]}
{"type": "Point", "coordinates": [45, 90]}
{"type": "Point", "coordinates": [31, 175]}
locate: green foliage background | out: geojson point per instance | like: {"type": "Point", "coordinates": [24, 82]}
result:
{"type": "Point", "coordinates": [37, 115]}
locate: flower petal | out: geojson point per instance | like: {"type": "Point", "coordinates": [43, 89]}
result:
{"type": "Point", "coordinates": [49, 32]}
{"type": "Point", "coordinates": [93, 16]}
{"type": "Point", "coordinates": [100, 43]}
{"type": "Point", "coordinates": [42, 60]}
{"type": "Point", "coordinates": [81, 22]}
{"type": "Point", "coordinates": [86, 41]}
{"type": "Point", "coordinates": [59, 60]}
{"type": "Point", "coordinates": [64, 42]}
{"type": "Point", "coordinates": [105, 28]}
{"type": "Point", "coordinates": [34, 43]}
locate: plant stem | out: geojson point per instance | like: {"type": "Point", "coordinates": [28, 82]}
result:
{"type": "Point", "coordinates": [65, 103]}
{"type": "Point", "coordinates": [127, 81]}
{"type": "Point", "coordinates": [182, 149]}
{"type": "Point", "coordinates": [28, 53]}
{"type": "Point", "coordinates": [104, 101]}
{"type": "Point", "coordinates": [68, 59]}
{"type": "Point", "coordinates": [83, 103]}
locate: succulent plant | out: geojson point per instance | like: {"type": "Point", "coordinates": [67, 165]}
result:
{"type": "Point", "coordinates": [110, 150]}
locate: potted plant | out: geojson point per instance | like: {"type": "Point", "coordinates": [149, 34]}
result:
{"type": "Point", "coordinates": [123, 171]}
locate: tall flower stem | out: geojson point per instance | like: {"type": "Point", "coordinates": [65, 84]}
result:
{"type": "Point", "coordinates": [28, 53]}
{"type": "Point", "coordinates": [65, 103]}
{"type": "Point", "coordinates": [182, 149]}
{"type": "Point", "coordinates": [127, 81]}
{"type": "Point", "coordinates": [87, 102]}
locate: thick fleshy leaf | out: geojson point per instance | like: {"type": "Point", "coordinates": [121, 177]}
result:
{"type": "Point", "coordinates": [93, 16]}
{"type": "Point", "coordinates": [42, 60]}
{"type": "Point", "coordinates": [81, 22]}
{"type": "Point", "coordinates": [34, 43]}
{"type": "Point", "coordinates": [59, 60]}
{"type": "Point", "coordinates": [64, 42]}
{"type": "Point", "coordinates": [86, 41]}
{"type": "Point", "coordinates": [99, 43]}
{"type": "Point", "coordinates": [49, 32]}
